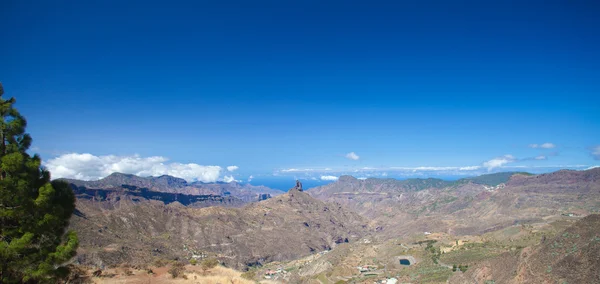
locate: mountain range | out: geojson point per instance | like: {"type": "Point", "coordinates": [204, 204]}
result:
{"type": "Point", "coordinates": [134, 220]}
{"type": "Point", "coordinates": [170, 184]}
{"type": "Point", "coordinates": [465, 207]}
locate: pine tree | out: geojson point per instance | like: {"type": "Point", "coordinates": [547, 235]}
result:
{"type": "Point", "coordinates": [34, 211]}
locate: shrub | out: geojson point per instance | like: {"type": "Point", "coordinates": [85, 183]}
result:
{"type": "Point", "coordinates": [177, 269]}
{"type": "Point", "coordinates": [127, 271]}
{"type": "Point", "coordinates": [193, 261]}
{"type": "Point", "coordinates": [160, 262]}
{"type": "Point", "coordinates": [250, 275]}
{"type": "Point", "coordinates": [208, 263]}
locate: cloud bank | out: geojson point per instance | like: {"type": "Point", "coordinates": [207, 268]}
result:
{"type": "Point", "coordinates": [90, 167]}
{"type": "Point", "coordinates": [352, 156]}
{"type": "Point", "coordinates": [596, 152]}
{"type": "Point", "coordinates": [329, 178]}
{"type": "Point", "coordinates": [232, 168]}
{"type": "Point", "coordinates": [546, 145]}
{"type": "Point", "coordinates": [499, 162]}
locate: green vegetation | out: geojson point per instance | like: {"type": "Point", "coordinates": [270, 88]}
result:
{"type": "Point", "coordinates": [177, 269]}
{"type": "Point", "coordinates": [208, 263]}
{"type": "Point", "coordinates": [34, 212]}
{"type": "Point", "coordinates": [491, 179]}
{"type": "Point", "coordinates": [250, 274]}
{"type": "Point", "coordinates": [418, 184]}
{"type": "Point", "coordinates": [193, 261]}
{"type": "Point", "coordinates": [460, 267]}
{"type": "Point", "coordinates": [428, 272]}
{"type": "Point", "coordinates": [161, 262]}
{"type": "Point", "coordinates": [435, 252]}
{"type": "Point", "coordinates": [471, 253]}
{"type": "Point", "coordinates": [322, 278]}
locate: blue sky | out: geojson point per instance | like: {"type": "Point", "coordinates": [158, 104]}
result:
{"type": "Point", "coordinates": [268, 86]}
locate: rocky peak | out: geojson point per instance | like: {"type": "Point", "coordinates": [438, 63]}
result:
{"type": "Point", "coordinates": [347, 178]}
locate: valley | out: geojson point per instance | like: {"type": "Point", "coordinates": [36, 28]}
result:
{"type": "Point", "coordinates": [351, 231]}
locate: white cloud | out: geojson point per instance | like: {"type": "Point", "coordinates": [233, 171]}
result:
{"type": "Point", "coordinates": [498, 162]}
{"type": "Point", "coordinates": [292, 170]}
{"type": "Point", "coordinates": [250, 178]}
{"type": "Point", "coordinates": [541, 157]}
{"type": "Point", "coordinates": [596, 152]}
{"type": "Point", "coordinates": [90, 167]}
{"type": "Point", "coordinates": [232, 168]}
{"type": "Point", "coordinates": [592, 167]}
{"type": "Point", "coordinates": [469, 168]}
{"type": "Point", "coordinates": [229, 179]}
{"type": "Point", "coordinates": [352, 156]}
{"type": "Point", "coordinates": [415, 169]}
{"type": "Point", "coordinates": [546, 145]}
{"type": "Point", "coordinates": [329, 178]}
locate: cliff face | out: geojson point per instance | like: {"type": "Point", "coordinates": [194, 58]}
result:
{"type": "Point", "coordinates": [468, 206]}
{"type": "Point", "coordinates": [284, 227]}
{"type": "Point", "coordinates": [169, 184]}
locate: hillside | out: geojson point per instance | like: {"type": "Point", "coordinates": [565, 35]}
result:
{"type": "Point", "coordinates": [572, 256]}
{"type": "Point", "coordinates": [169, 184]}
{"type": "Point", "coordinates": [492, 179]}
{"type": "Point", "coordinates": [286, 227]}
{"type": "Point", "coordinates": [465, 208]}
{"type": "Point", "coordinates": [110, 196]}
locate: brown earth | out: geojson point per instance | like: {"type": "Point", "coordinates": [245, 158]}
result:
{"type": "Point", "coordinates": [282, 228]}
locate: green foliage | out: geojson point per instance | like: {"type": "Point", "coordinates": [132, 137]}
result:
{"type": "Point", "coordinates": [34, 212]}
{"type": "Point", "coordinates": [193, 261]}
{"type": "Point", "coordinates": [250, 274]}
{"type": "Point", "coordinates": [161, 262]}
{"type": "Point", "coordinates": [177, 269]}
{"type": "Point", "coordinates": [491, 179]}
{"type": "Point", "coordinates": [208, 263]}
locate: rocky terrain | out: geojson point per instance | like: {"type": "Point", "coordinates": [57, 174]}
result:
{"type": "Point", "coordinates": [572, 256]}
{"type": "Point", "coordinates": [285, 227]}
{"type": "Point", "coordinates": [110, 196]}
{"type": "Point", "coordinates": [169, 184]}
{"type": "Point", "coordinates": [465, 207]}
{"type": "Point", "coordinates": [499, 228]}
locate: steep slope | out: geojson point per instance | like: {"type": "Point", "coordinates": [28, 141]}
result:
{"type": "Point", "coordinates": [282, 228]}
{"type": "Point", "coordinates": [163, 183]}
{"type": "Point", "coordinates": [572, 256]}
{"type": "Point", "coordinates": [110, 196]}
{"type": "Point", "coordinates": [169, 184]}
{"type": "Point", "coordinates": [464, 208]}
{"type": "Point", "coordinates": [492, 179]}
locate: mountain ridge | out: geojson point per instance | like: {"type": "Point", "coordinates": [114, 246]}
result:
{"type": "Point", "coordinates": [284, 227]}
{"type": "Point", "coordinates": [170, 184]}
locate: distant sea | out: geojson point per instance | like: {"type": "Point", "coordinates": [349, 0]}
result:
{"type": "Point", "coordinates": [284, 183]}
